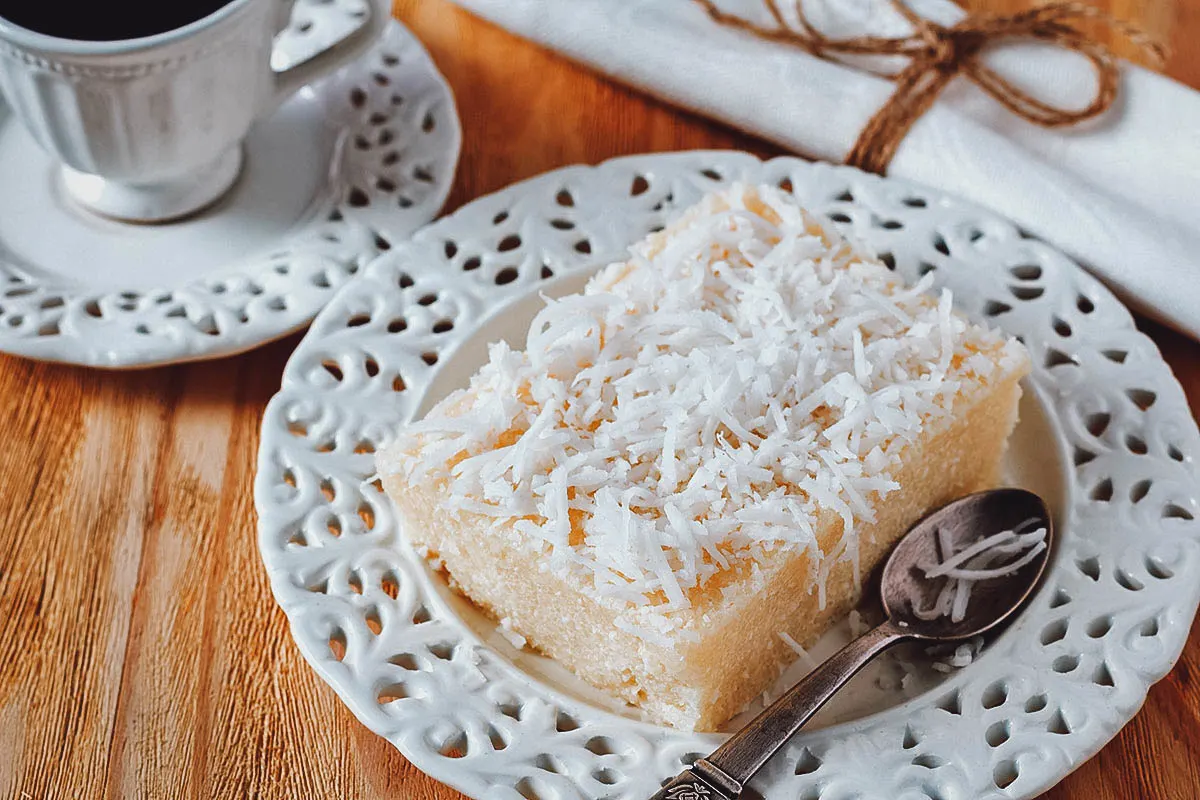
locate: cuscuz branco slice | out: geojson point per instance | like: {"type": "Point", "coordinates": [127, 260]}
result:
{"type": "Point", "coordinates": [699, 457]}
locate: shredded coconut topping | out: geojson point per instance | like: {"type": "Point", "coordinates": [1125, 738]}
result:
{"type": "Point", "coordinates": [708, 401]}
{"type": "Point", "coordinates": [995, 556]}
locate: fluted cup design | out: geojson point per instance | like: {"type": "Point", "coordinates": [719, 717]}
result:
{"type": "Point", "coordinates": [150, 129]}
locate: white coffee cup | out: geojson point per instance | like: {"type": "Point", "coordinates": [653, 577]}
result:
{"type": "Point", "coordinates": [150, 129]}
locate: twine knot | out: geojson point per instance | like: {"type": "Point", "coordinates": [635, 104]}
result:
{"type": "Point", "coordinates": [938, 53]}
{"type": "Point", "coordinates": [949, 46]}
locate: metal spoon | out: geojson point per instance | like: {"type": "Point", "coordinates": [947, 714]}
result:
{"type": "Point", "coordinates": [904, 587]}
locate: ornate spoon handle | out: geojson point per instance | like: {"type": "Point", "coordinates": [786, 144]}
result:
{"type": "Point", "coordinates": [729, 768]}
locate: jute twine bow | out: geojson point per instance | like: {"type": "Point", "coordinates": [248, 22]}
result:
{"type": "Point", "coordinates": [937, 54]}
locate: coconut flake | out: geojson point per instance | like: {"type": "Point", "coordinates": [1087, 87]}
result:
{"type": "Point", "coordinates": [990, 557]}
{"type": "Point", "coordinates": [808, 660]}
{"type": "Point", "coordinates": [506, 630]}
{"type": "Point", "coordinates": [948, 658]}
{"type": "Point", "coordinates": [857, 625]}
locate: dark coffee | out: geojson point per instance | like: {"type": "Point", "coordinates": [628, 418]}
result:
{"type": "Point", "coordinates": [101, 21]}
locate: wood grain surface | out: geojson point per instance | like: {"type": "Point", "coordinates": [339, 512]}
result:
{"type": "Point", "coordinates": [141, 654]}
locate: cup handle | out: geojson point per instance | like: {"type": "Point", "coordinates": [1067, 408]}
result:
{"type": "Point", "coordinates": [354, 45]}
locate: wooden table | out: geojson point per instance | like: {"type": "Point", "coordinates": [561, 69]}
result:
{"type": "Point", "coordinates": [141, 654]}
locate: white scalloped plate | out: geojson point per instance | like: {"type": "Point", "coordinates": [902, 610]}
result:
{"type": "Point", "coordinates": [1105, 434]}
{"type": "Point", "coordinates": [341, 171]}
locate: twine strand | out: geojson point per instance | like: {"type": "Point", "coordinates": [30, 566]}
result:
{"type": "Point", "coordinates": [937, 54]}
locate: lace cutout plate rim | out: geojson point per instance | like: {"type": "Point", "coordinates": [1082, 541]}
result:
{"type": "Point", "coordinates": [1119, 445]}
{"type": "Point", "coordinates": [345, 169]}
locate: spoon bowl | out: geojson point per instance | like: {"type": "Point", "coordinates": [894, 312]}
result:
{"type": "Point", "coordinates": [905, 587]}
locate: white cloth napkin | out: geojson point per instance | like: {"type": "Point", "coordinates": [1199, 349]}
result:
{"type": "Point", "coordinates": [1120, 193]}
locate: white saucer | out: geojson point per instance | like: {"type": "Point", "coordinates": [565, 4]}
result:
{"type": "Point", "coordinates": [344, 169]}
{"type": "Point", "coordinates": [1105, 435]}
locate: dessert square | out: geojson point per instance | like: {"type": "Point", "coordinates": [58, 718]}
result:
{"type": "Point", "coordinates": [701, 455]}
